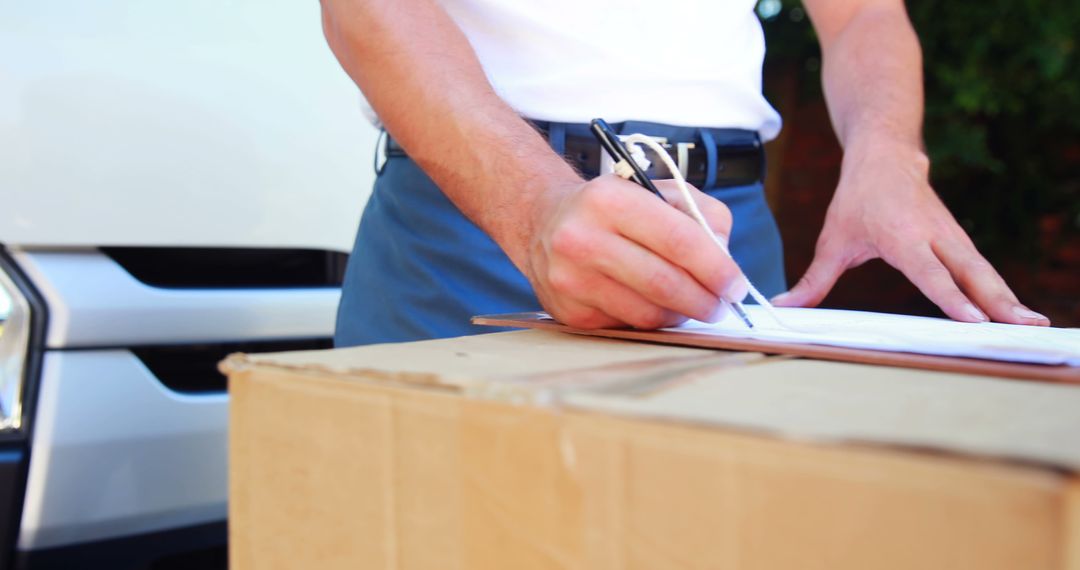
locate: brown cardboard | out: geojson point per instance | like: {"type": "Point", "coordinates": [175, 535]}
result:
{"type": "Point", "coordinates": [415, 456]}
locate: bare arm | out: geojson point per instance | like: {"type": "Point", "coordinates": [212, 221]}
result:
{"type": "Point", "coordinates": [884, 205]}
{"type": "Point", "coordinates": [872, 70]}
{"type": "Point", "coordinates": [420, 74]}
{"type": "Point", "coordinates": [598, 253]}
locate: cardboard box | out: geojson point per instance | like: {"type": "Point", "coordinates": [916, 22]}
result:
{"type": "Point", "coordinates": [537, 450]}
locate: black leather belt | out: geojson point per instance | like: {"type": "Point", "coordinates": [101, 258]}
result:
{"type": "Point", "coordinates": [737, 164]}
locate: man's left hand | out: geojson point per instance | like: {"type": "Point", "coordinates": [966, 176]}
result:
{"type": "Point", "coordinates": [884, 207]}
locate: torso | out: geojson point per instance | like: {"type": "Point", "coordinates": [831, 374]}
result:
{"type": "Point", "coordinates": [680, 62]}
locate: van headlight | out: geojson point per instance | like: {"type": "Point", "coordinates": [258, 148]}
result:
{"type": "Point", "coordinates": [14, 348]}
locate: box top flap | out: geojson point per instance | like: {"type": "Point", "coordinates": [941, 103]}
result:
{"type": "Point", "coordinates": [780, 396]}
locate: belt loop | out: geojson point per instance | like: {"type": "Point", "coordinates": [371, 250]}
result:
{"type": "Point", "coordinates": [382, 146]}
{"type": "Point", "coordinates": [557, 138]}
{"type": "Point", "coordinates": [710, 153]}
{"type": "Point", "coordinates": [762, 158]}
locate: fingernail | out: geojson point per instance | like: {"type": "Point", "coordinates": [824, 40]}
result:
{"type": "Point", "coordinates": [719, 313]}
{"type": "Point", "coordinates": [737, 290]}
{"type": "Point", "coordinates": [975, 313]}
{"type": "Point", "coordinates": [1026, 313]}
{"type": "Point", "coordinates": [780, 298]}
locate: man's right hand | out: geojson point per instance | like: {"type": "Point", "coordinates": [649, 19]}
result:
{"type": "Point", "coordinates": [599, 254]}
{"type": "Point", "coordinates": [609, 254]}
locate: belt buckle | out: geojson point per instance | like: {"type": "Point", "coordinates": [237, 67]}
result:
{"type": "Point", "coordinates": [682, 155]}
{"type": "Point", "coordinates": [682, 152]}
{"type": "Point", "coordinates": [607, 162]}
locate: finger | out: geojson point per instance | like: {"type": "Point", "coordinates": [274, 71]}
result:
{"type": "Point", "coordinates": [569, 311]}
{"type": "Point", "coordinates": [626, 305]}
{"type": "Point", "coordinates": [926, 271]}
{"type": "Point", "coordinates": [816, 283]}
{"type": "Point", "coordinates": [653, 278]}
{"type": "Point", "coordinates": [657, 280]}
{"type": "Point", "coordinates": [984, 285]}
{"type": "Point", "coordinates": [581, 316]}
{"type": "Point", "coordinates": [715, 211]}
{"type": "Point", "coordinates": [677, 238]}
{"type": "Point", "coordinates": [719, 219]}
{"type": "Point", "coordinates": [617, 305]}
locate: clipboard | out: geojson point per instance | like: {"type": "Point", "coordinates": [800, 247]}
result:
{"type": "Point", "coordinates": [1013, 370]}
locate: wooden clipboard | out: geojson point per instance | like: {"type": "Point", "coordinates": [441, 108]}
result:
{"type": "Point", "coordinates": [1015, 370]}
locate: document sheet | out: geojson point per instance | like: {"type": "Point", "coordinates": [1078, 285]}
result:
{"type": "Point", "coordinates": [901, 333]}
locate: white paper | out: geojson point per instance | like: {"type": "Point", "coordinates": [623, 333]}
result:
{"type": "Point", "coordinates": [902, 333]}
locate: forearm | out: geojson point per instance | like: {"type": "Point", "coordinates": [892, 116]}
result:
{"type": "Point", "coordinates": [422, 77]}
{"type": "Point", "coordinates": [872, 75]}
{"type": "Point", "coordinates": [884, 205]}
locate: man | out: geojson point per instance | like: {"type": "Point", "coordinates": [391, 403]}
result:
{"type": "Point", "coordinates": [483, 206]}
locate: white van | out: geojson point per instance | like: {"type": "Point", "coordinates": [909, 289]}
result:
{"type": "Point", "coordinates": [178, 181]}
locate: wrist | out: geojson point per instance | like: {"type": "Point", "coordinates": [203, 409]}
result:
{"type": "Point", "coordinates": [541, 200]}
{"type": "Point", "coordinates": [876, 148]}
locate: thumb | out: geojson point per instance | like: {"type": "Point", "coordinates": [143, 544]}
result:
{"type": "Point", "coordinates": [815, 283]}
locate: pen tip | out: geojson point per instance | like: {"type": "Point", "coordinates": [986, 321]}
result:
{"type": "Point", "coordinates": [742, 314]}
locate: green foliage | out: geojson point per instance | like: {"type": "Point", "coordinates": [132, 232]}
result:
{"type": "Point", "coordinates": [1003, 109]}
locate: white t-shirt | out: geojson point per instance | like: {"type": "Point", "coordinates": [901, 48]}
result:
{"type": "Point", "coordinates": [680, 62]}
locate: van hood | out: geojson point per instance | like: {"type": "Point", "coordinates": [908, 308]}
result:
{"type": "Point", "coordinates": [196, 123]}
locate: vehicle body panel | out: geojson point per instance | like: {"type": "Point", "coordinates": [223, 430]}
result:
{"type": "Point", "coordinates": [161, 123]}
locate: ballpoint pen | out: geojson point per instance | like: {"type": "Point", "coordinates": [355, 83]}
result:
{"type": "Point", "coordinates": [619, 153]}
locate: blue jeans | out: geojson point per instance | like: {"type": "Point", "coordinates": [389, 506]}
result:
{"type": "Point", "coordinates": [420, 269]}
